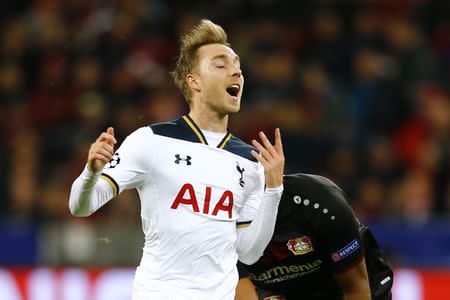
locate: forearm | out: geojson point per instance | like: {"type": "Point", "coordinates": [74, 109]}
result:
{"type": "Point", "coordinates": [252, 240]}
{"type": "Point", "coordinates": [355, 282]}
{"type": "Point", "coordinates": [245, 290]}
{"type": "Point", "coordinates": [356, 289]}
{"type": "Point", "coordinates": [362, 294]}
{"type": "Point", "coordinates": [88, 194]}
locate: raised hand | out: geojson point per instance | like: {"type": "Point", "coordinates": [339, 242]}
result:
{"type": "Point", "coordinates": [101, 150]}
{"type": "Point", "coordinates": [271, 157]}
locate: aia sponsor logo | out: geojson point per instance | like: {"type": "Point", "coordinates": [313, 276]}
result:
{"type": "Point", "coordinates": [300, 245]}
{"type": "Point", "coordinates": [188, 197]}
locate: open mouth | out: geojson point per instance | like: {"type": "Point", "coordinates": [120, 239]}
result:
{"type": "Point", "coordinates": [233, 90]}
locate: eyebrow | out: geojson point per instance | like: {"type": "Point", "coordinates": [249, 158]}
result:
{"type": "Point", "coordinates": [223, 56]}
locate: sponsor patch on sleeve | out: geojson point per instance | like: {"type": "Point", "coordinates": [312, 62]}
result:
{"type": "Point", "coordinates": [345, 251]}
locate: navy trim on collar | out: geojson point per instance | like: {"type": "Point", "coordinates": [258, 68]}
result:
{"type": "Point", "coordinates": [184, 128]}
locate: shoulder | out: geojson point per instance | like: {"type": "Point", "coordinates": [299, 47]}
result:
{"type": "Point", "coordinates": [135, 147]}
{"type": "Point", "coordinates": [165, 128]}
{"type": "Point", "coordinates": [324, 206]}
{"type": "Point", "coordinates": [176, 129]}
{"type": "Point", "coordinates": [172, 129]}
{"type": "Point", "coordinates": [316, 187]}
{"type": "Point", "coordinates": [310, 179]}
{"type": "Point", "coordinates": [139, 135]}
{"type": "Point", "coordinates": [318, 199]}
{"type": "Point", "coordinates": [136, 143]}
{"type": "Point", "coordinates": [240, 148]}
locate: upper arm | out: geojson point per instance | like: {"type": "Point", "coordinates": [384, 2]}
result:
{"type": "Point", "coordinates": [131, 162]}
{"type": "Point", "coordinates": [354, 282]}
{"type": "Point", "coordinates": [342, 242]}
{"type": "Point", "coordinates": [339, 233]}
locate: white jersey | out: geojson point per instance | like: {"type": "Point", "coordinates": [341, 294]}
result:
{"type": "Point", "coordinates": [193, 195]}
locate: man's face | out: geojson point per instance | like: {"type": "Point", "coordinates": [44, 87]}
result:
{"type": "Point", "coordinates": [220, 80]}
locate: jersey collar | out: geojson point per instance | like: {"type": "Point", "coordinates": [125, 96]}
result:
{"type": "Point", "coordinates": [198, 132]}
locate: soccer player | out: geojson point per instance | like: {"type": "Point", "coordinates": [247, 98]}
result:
{"type": "Point", "coordinates": [319, 250]}
{"type": "Point", "coordinates": [207, 198]}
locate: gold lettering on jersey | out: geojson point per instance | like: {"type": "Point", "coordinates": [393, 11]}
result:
{"type": "Point", "coordinates": [187, 196]}
{"type": "Point", "coordinates": [282, 273]}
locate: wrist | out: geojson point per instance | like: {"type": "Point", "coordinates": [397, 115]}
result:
{"type": "Point", "coordinates": [275, 190]}
{"type": "Point", "coordinates": [272, 196]}
{"type": "Point", "coordinates": [88, 173]}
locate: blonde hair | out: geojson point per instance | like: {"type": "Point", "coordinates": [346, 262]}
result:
{"type": "Point", "coordinates": [205, 33]}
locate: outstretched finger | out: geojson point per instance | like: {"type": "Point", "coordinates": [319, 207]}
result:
{"type": "Point", "coordinates": [267, 144]}
{"type": "Point", "coordinates": [278, 144]}
{"type": "Point", "coordinates": [259, 158]}
{"type": "Point", "coordinates": [110, 131]}
{"type": "Point", "coordinates": [262, 150]}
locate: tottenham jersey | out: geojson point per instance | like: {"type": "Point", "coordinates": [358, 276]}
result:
{"type": "Point", "coordinates": [192, 197]}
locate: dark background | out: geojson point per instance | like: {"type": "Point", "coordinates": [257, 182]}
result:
{"type": "Point", "coordinates": [360, 90]}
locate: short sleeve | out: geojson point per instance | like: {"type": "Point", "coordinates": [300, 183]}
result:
{"type": "Point", "coordinates": [340, 234]}
{"type": "Point", "coordinates": [131, 163]}
{"type": "Point", "coordinates": [242, 270]}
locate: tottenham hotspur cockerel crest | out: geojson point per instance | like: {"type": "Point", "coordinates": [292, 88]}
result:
{"type": "Point", "coordinates": [241, 172]}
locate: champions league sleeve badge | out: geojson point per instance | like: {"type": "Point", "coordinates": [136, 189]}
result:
{"type": "Point", "coordinates": [115, 160]}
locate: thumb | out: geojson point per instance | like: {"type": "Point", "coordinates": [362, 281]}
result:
{"type": "Point", "coordinates": [110, 131]}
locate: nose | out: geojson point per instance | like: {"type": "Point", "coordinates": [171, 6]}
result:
{"type": "Point", "coordinates": [237, 72]}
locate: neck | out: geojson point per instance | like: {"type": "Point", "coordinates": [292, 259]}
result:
{"type": "Point", "coordinates": [211, 121]}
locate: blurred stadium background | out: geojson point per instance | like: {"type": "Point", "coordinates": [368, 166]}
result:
{"type": "Point", "coordinates": [359, 88]}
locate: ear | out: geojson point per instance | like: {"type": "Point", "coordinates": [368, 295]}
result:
{"type": "Point", "coordinates": [193, 82]}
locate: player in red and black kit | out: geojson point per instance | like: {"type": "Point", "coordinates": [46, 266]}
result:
{"type": "Point", "coordinates": [319, 250]}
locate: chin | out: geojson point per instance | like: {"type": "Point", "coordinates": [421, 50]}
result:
{"type": "Point", "coordinates": [234, 109]}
